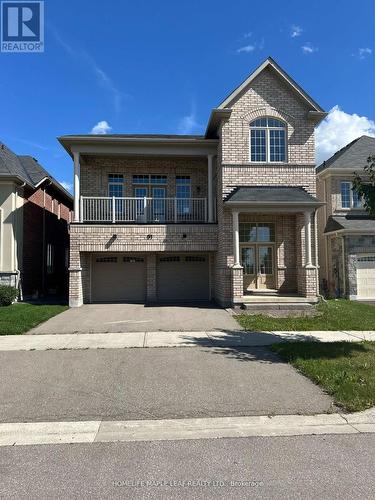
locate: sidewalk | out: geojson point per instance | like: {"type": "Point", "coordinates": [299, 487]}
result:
{"type": "Point", "coordinates": [101, 431]}
{"type": "Point", "coordinates": [173, 339]}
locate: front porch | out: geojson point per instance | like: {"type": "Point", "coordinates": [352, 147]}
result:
{"type": "Point", "coordinates": [275, 257]}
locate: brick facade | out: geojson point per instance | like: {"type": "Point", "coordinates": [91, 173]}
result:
{"type": "Point", "coordinates": [268, 95]}
{"type": "Point", "coordinates": [45, 222]}
{"type": "Point", "coordinates": [95, 170]}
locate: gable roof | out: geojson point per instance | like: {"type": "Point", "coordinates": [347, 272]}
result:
{"type": "Point", "coordinates": [26, 169]}
{"type": "Point", "coordinates": [351, 156]}
{"type": "Point", "coordinates": [224, 109]}
{"type": "Point", "coordinates": [269, 62]}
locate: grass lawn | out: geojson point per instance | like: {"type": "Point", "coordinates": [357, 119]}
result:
{"type": "Point", "coordinates": [332, 315]}
{"type": "Point", "coordinates": [19, 318]}
{"type": "Point", "coordinates": [344, 370]}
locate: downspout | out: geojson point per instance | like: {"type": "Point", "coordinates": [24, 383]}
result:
{"type": "Point", "coordinates": [316, 253]}
{"type": "Point", "coordinates": [326, 237]}
{"type": "Point", "coordinates": [343, 265]}
{"type": "Point", "coordinates": [44, 242]}
{"type": "Point", "coordinates": [18, 271]}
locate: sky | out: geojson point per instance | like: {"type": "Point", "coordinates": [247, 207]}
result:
{"type": "Point", "coordinates": [161, 66]}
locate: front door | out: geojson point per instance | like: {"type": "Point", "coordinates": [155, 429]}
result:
{"type": "Point", "coordinates": [258, 267]}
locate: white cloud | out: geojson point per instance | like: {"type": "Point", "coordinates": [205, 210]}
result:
{"type": "Point", "coordinates": [364, 52]}
{"type": "Point", "coordinates": [251, 47]}
{"type": "Point", "coordinates": [67, 185]}
{"type": "Point", "coordinates": [246, 48]}
{"type": "Point", "coordinates": [101, 128]}
{"type": "Point", "coordinates": [188, 123]}
{"type": "Point", "coordinates": [308, 48]}
{"type": "Point", "coordinates": [247, 35]}
{"type": "Point", "coordinates": [338, 129]}
{"type": "Point", "coordinates": [295, 31]}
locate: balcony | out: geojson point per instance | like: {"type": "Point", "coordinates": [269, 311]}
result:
{"type": "Point", "coordinates": [112, 210]}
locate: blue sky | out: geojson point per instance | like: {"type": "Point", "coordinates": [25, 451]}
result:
{"type": "Point", "coordinates": [160, 67]}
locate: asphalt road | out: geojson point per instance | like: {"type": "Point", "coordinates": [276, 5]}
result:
{"type": "Point", "coordinates": [127, 384]}
{"type": "Point", "coordinates": [310, 467]}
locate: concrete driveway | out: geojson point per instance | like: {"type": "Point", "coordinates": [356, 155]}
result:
{"type": "Point", "coordinates": [104, 318]}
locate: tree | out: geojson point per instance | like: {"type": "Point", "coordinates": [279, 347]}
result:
{"type": "Point", "coordinates": [365, 187]}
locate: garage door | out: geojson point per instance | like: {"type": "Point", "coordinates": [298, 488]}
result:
{"type": "Point", "coordinates": [118, 278]}
{"type": "Point", "coordinates": [366, 276]}
{"type": "Point", "coordinates": [183, 278]}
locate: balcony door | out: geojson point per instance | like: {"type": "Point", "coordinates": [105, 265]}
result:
{"type": "Point", "coordinates": [153, 209]}
{"type": "Point", "coordinates": [158, 204]}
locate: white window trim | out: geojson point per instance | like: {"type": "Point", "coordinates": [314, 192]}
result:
{"type": "Point", "coordinates": [268, 146]}
{"type": "Point", "coordinates": [109, 183]}
{"type": "Point", "coordinates": [351, 207]}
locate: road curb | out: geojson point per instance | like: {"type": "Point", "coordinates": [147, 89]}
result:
{"type": "Point", "coordinates": [36, 433]}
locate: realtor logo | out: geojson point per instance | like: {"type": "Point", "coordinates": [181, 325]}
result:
{"type": "Point", "coordinates": [22, 26]}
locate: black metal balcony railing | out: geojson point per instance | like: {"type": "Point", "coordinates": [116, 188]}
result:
{"type": "Point", "coordinates": [143, 210]}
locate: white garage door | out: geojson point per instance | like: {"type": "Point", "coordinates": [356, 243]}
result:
{"type": "Point", "coordinates": [366, 276]}
{"type": "Point", "coordinates": [118, 278]}
{"type": "Point", "coordinates": [183, 278]}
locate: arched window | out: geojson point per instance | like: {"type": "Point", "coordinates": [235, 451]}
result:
{"type": "Point", "coordinates": [267, 140]}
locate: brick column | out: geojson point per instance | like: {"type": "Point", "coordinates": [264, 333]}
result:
{"type": "Point", "coordinates": [75, 279]}
{"type": "Point", "coordinates": [151, 278]}
{"type": "Point", "coordinates": [75, 287]}
{"type": "Point", "coordinates": [237, 284]}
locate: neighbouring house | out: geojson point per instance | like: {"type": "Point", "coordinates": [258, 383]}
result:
{"type": "Point", "coordinates": [346, 231]}
{"type": "Point", "coordinates": [226, 216]}
{"type": "Point", "coordinates": [34, 214]}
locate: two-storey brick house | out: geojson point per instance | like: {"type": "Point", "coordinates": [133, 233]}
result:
{"type": "Point", "coordinates": [220, 217]}
{"type": "Point", "coordinates": [346, 231]}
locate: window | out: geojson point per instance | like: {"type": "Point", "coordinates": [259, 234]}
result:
{"type": "Point", "coordinates": [183, 186]}
{"type": "Point", "coordinates": [106, 259]}
{"type": "Point", "coordinates": [183, 194]}
{"type": "Point", "coordinates": [267, 140]}
{"type": "Point", "coordinates": [50, 258]}
{"type": "Point", "coordinates": [169, 259]}
{"type": "Point", "coordinates": [349, 198]}
{"type": "Point", "coordinates": [195, 258]}
{"type": "Point", "coordinates": [115, 185]}
{"type": "Point", "coordinates": [149, 179]}
{"type": "Point", "coordinates": [367, 258]}
{"type": "Point", "coordinates": [257, 232]}
{"type": "Point", "coordinates": [133, 260]}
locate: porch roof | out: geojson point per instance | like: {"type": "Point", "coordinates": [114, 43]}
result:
{"type": "Point", "coordinates": [350, 224]}
{"type": "Point", "coordinates": [280, 196]}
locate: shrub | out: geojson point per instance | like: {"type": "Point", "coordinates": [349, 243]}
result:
{"type": "Point", "coordinates": [8, 295]}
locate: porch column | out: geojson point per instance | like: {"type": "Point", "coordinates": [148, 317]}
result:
{"type": "Point", "coordinates": [236, 240]}
{"type": "Point", "coordinates": [209, 189]}
{"type": "Point", "coordinates": [76, 187]}
{"type": "Point", "coordinates": [308, 260]}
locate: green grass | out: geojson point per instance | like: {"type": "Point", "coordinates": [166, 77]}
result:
{"type": "Point", "coordinates": [345, 370]}
{"type": "Point", "coordinates": [332, 315]}
{"type": "Point", "coordinates": [19, 318]}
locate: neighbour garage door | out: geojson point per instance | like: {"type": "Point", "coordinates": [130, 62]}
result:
{"type": "Point", "coordinates": [366, 276]}
{"type": "Point", "coordinates": [118, 278]}
{"type": "Point", "coordinates": [182, 278]}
